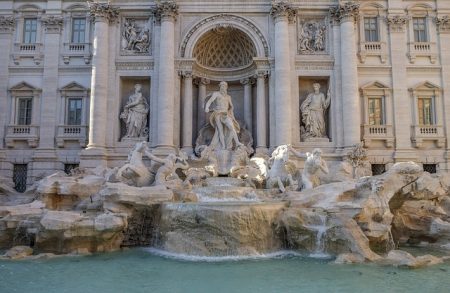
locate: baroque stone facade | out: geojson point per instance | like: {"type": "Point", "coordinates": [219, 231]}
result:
{"type": "Point", "coordinates": [68, 69]}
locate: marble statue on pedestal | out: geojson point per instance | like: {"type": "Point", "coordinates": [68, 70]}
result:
{"type": "Point", "coordinates": [219, 142]}
{"type": "Point", "coordinates": [313, 113]}
{"type": "Point", "coordinates": [135, 115]}
{"type": "Point", "coordinates": [222, 119]}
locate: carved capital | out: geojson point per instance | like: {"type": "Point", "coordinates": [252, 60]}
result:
{"type": "Point", "coordinates": [443, 24]}
{"type": "Point", "coordinates": [103, 12]}
{"type": "Point", "coordinates": [166, 10]}
{"type": "Point", "coordinates": [348, 11]}
{"type": "Point", "coordinates": [249, 81]}
{"type": "Point", "coordinates": [397, 23]}
{"type": "Point", "coordinates": [186, 73]}
{"type": "Point", "coordinates": [7, 24]}
{"type": "Point", "coordinates": [282, 10]}
{"type": "Point", "coordinates": [262, 73]}
{"type": "Point", "coordinates": [52, 24]}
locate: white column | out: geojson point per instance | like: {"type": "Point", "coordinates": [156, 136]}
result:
{"type": "Point", "coordinates": [103, 15]}
{"type": "Point", "coordinates": [443, 27]}
{"type": "Point", "coordinates": [281, 12]}
{"type": "Point", "coordinates": [166, 95]}
{"type": "Point", "coordinates": [401, 101]}
{"type": "Point", "coordinates": [347, 13]}
{"type": "Point", "coordinates": [187, 112]}
{"type": "Point", "coordinates": [48, 121]}
{"type": "Point", "coordinates": [261, 113]}
{"type": "Point", "coordinates": [248, 82]}
{"type": "Point", "coordinates": [7, 25]}
{"type": "Point", "coordinates": [201, 115]}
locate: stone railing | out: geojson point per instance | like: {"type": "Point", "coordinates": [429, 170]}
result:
{"type": "Point", "coordinates": [27, 133]}
{"type": "Point", "coordinates": [66, 133]}
{"type": "Point", "coordinates": [28, 50]}
{"type": "Point", "coordinates": [80, 50]}
{"type": "Point", "coordinates": [378, 132]}
{"type": "Point", "coordinates": [421, 133]}
{"type": "Point", "coordinates": [422, 49]}
{"type": "Point", "coordinates": [377, 49]}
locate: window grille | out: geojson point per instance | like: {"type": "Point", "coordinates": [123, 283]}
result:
{"type": "Point", "coordinates": [430, 168]}
{"type": "Point", "coordinates": [378, 169]}
{"type": "Point", "coordinates": [20, 177]}
{"type": "Point", "coordinates": [69, 167]}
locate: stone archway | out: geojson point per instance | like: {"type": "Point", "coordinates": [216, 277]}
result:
{"type": "Point", "coordinates": [224, 20]}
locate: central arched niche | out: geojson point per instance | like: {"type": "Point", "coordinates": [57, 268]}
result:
{"type": "Point", "coordinates": [224, 49]}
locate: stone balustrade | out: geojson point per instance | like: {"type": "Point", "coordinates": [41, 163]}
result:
{"type": "Point", "coordinates": [377, 49]}
{"type": "Point", "coordinates": [28, 50]}
{"type": "Point", "coordinates": [378, 132]}
{"type": "Point", "coordinates": [421, 133]}
{"type": "Point", "coordinates": [80, 50]}
{"type": "Point", "coordinates": [422, 49]}
{"type": "Point", "coordinates": [27, 133]}
{"type": "Point", "coordinates": [66, 133]}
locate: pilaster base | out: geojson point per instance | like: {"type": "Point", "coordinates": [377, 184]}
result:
{"type": "Point", "coordinates": [405, 156]}
{"type": "Point", "coordinates": [91, 158]}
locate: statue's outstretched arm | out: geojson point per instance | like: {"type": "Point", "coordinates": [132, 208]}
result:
{"type": "Point", "coordinates": [153, 157]}
{"type": "Point", "coordinates": [297, 154]}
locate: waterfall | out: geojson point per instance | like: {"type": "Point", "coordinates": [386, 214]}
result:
{"type": "Point", "coordinates": [321, 230]}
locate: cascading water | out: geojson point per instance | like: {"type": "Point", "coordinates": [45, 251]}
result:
{"type": "Point", "coordinates": [321, 230]}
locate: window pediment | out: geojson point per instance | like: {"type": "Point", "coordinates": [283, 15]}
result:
{"type": "Point", "coordinates": [375, 88]}
{"type": "Point", "coordinates": [23, 87]}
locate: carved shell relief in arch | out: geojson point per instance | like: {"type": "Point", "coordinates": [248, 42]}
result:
{"type": "Point", "coordinates": [312, 36]}
{"type": "Point", "coordinates": [136, 36]}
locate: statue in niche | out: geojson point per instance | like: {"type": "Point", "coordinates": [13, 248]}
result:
{"type": "Point", "coordinates": [136, 39]}
{"type": "Point", "coordinates": [313, 113]}
{"type": "Point", "coordinates": [312, 37]}
{"type": "Point", "coordinates": [313, 164]}
{"type": "Point", "coordinates": [135, 114]}
{"type": "Point", "coordinates": [226, 128]}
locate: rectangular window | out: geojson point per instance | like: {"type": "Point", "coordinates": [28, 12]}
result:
{"type": "Point", "coordinates": [376, 111]}
{"type": "Point", "coordinates": [20, 177]}
{"type": "Point", "coordinates": [25, 107]}
{"type": "Point", "coordinates": [425, 110]}
{"type": "Point", "coordinates": [378, 169]}
{"type": "Point", "coordinates": [30, 30]}
{"type": "Point", "coordinates": [430, 168]}
{"type": "Point", "coordinates": [74, 109]}
{"type": "Point", "coordinates": [68, 168]}
{"type": "Point", "coordinates": [420, 29]}
{"type": "Point", "coordinates": [371, 29]}
{"type": "Point", "coordinates": [78, 30]}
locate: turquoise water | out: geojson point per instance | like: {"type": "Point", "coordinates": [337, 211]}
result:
{"type": "Point", "coordinates": [139, 270]}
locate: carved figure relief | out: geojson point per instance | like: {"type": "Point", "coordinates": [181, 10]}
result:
{"type": "Point", "coordinates": [313, 114]}
{"type": "Point", "coordinates": [312, 37]}
{"type": "Point", "coordinates": [135, 115]}
{"type": "Point", "coordinates": [135, 36]}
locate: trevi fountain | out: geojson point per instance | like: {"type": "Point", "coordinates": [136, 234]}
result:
{"type": "Point", "coordinates": [225, 213]}
{"type": "Point", "coordinates": [226, 203]}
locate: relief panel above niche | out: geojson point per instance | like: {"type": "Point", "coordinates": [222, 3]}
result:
{"type": "Point", "coordinates": [312, 35]}
{"type": "Point", "coordinates": [136, 36]}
